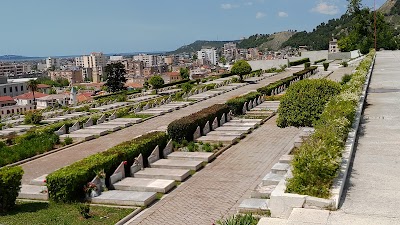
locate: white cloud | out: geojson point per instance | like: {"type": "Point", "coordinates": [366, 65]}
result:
{"type": "Point", "coordinates": [283, 14]}
{"type": "Point", "coordinates": [228, 6]}
{"type": "Point", "coordinates": [260, 15]}
{"type": "Point", "coordinates": [326, 8]}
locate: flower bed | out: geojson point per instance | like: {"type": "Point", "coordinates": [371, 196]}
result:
{"type": "Point", "coordinates": [184, 128]}
{"type": "Point", "coordinates": [66, 184]}
{"type": "Point", "coordinates": [316, 163]}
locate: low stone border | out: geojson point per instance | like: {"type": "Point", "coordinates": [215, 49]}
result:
{"type": "Point", "coordinates": [129, 217]}
{"type": "Point", "coordinates": [281, 203]}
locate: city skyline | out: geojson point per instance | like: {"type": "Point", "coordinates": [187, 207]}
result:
{"type": "Point", "coordinates": [74, 27]}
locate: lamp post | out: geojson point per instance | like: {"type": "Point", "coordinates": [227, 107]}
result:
{"type": "Point", "coordinates": [375, 23]}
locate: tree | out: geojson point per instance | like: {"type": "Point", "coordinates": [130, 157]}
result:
{"type": "Point", "coordinates": [354, 6]}
{"type": "Point", "coordinates": [222, 60]}
{"type": "Point", "coordinates": [115, 77]}
{"type": "Point", "coordinates": [241, 68]}
{"type": "Point", "coordinates": [186, 87]}
{"type": "Point", "coordinates": [195, 57]}
{"type": "Point", "coordinates": [33, 86]}
{"type": "Point", "coordinates": [156, 82]}
{"type": "Point", "coordinates": [184, 73]}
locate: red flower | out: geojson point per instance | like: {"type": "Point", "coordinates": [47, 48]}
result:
{"type": "Point", "coordinates": [44, 180]}
{"type": "Point", "coordinates": [125, 162]}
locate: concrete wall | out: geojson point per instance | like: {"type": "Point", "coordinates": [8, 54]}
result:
{"type": "Point", "coordinates": [344, 55]}
{"type": "Point", "coordinates": [267, 64]}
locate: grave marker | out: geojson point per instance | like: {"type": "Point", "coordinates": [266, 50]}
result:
{"type": "Point", "coordinates": [155, 155]}
{"type": "Point", "coordinates": [168, 149]}
{"type": "Point", "coordinates": [137, 164]}
{"type": "Point", "coordinates": [214, 125]}
{"type": "Point", "coordinates": [206, 128]}
{"type": "Point", "coordinates": [118, 174]}
{"type": "Point", "coordinates": [197, 133]}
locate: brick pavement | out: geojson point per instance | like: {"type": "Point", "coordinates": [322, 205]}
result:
{"type": "Point", "coordinates": [52, 162]}
{"type": "Point", "coordinates": [217, 190]}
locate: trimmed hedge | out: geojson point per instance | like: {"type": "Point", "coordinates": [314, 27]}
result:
{"type": "Point", "coordinates": [184, 128]}
{"type": "Point", "coordinates": [318, 61]}
{"type": "Point", "coordinates": [66, 184]}
{"type": "Point", "coordinates": [299, 62]}
{"type": "Point", "coordinates": [305, 101]}
{"type": "Point", "coordinates": [10, 184]}
{"type": "Point", "coordinates": [236, 104]}
{"type": "Point", "coordinates": [316, 163]}
{"type": "Point", "coordinates": [311, 69]}
{"type": "Point", "coordinates": [267, 90]}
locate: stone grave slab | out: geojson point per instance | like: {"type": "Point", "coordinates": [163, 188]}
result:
{"type": "Point", "coordinates": [255, 121]}
{"type": "Point", "coordinates": [253, 205]}
{"type": "Point", "coordinates": [280, 168]}
{"type": "Point", "coordinates": [197, 156]}
{"type": "Point", "coordinates": [177, 164]}
{"type": "Point", "coordinates": [272, 179]}
{"type": "Point", "coordinates": [233, 128]}
{"type": "Point", "coordinates": [7, 132]}
{"type": "Point", "coordinates": [286, 159]}
{"type": "Point", "coordinates": [78, 137]}
{"type": "Point", "coordinates": [168, 174]}
{"type": "Point", "coordinates": [219, 139]}
{"type": "Point", "coordinates": [40, 181]}
{"type": "Point", "coordinates": [272, 221]}
{"type": "Point", "coordinates": [145, 184]}
{"type": "Point", "coordinates": [154, 113]}
{"type": "Point", "coordinates": [127, 198]}
{"type": "Point", "coordinates": [262, 191]}
{"type": "Point", "coordinates": [234, 124]}
{"type": "Point", "coordinates": [238, 134]}
{"type": "Point", "coordinates": [110, 127]}
{"type": "Point", "coordinates": [131, 120]}
{"type": "Point", "coordinates": [33, 192]}
{"type": "Point", "coordinates": [93, 131]}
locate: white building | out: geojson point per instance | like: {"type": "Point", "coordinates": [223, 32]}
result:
{"type": "Point", "coordinates": [12, 88]}
{"type": "Point", "coordinates": [116, 58]}
{"type": "Point", "coordinates": [208, 54]}
{"type": "Point", "coordinates": [96, 61]}
{"type": "Point", "coordinates": [148, 60]}
{"type": "Point", "coordinates": [333, 46]}
{"type": "Point", "coordinates": [50, 62]}
{"type": "Point", "coordinates": [52, 100]}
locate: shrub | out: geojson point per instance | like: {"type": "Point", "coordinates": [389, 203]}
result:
{"type": "Point", "coordinates": [33, 117]}
{"type": "Point", "coordinates": [10, 182]}
{"type": "Point", "coordinates": [345, 64]}
{"type": "Point", "coordinates": [304, 102]}
{"type": "Point", "coordinates": [317, 161]}
{"type": "Point", "coordinates": [319, 61]}
{"type": "Point", "coordinates": [246, 219]}
{"type": "Point", "coordinates": [326, 65]}
{"type": "Point", "coordinates": [186, 87]}
{"type": "Point", "coordinates": [184, 128]}
{"type": "Point", "coordinates": [306, 65]}
{"type": "Point", "coordinates": [299, 62]}
{"type": "Point", "coordinates": [310, 69]}
{"type": "Point", "coordinates": [68, 141]}
{"type": "Point", "coordinates": [84, 210]}
{"type": "Point", "coordinates": [346, 78]}
{"type": "Point", "coordinates": [236, 104]}
{"type": "Point", "coordinates": [66, 184]}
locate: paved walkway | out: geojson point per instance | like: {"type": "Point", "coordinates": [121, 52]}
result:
{"type": "Point", "coordinates": [373, 190]}
{"type": "Point", "coordinates": [50, 163]}
{"type": "Point", "coordinates": [217, 190]}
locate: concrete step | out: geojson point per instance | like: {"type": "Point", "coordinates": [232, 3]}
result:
{"type": "Point", "coordinates": [280, 168]}
{"type": "Point", "coordinates": [262, 191]}
{"type": "Point", "coordinates": [196, 156]}
{"type": "Point", "coordinates": [232, 128]}
{"type": "Point", "coordinates": [33, 192]}
{"type": "Point", "coordinates": [272, 179]}
{"type": "Point", "coordinates": [40, 181]}
{"type": "Point", "coordinates": [145, 184]}
{"type": "Point", "coordinates": [167, 174]}
{"type": "Point", "coordinates": [219, 139]}
{"type": "Point", "coordinates": [253, 205]}
{"type": "Point", "coordinates": [177, 164]}
{"type": "Point", "coordinates": [127, 198]}
{"type": "Point", "coordinates": [286, 159]}
{"type": "Point", "coordinates": [272, 221]}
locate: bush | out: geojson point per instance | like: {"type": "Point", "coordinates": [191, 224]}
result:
{"type": "Point", "coordinates": [310, 69]}
{"type": "Point", "coordinates": [186, 87]}
{"type": "Point", "coordinates": [33, 117]}
{"type": "Point", "coordinates": [184, 128]}
{"type": "Point", "coordinates": [236, 104]}
{"type": "Point", "coordinates": [66, 184]}
{"type": "Point", "coordinates": [267, 90]}
{"type": "Point", "coordinates": [319, 61]}
{"type": "Point", "coordinates": [317, 161]}
{"type": "Point", "coordinates": [299, 62]}
{"type": "Point", "coordinates": [345, 64]}
{"type": "Point", "coordinates": [326, 65]}
{"type": "Point", "coordinates": [346, 78]}
{"type": "Point", "coordinates": [304, 102]}
{"type": "Point", "coordinates": [10, 184]}
{"type": "Point", "coordinates": [307, 65]}
{"type": "Point", "coordinates": [246, 219]}
{"type": "Point", "coordinates": [68, 141]}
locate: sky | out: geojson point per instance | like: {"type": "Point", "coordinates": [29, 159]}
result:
{"type": "Point", "coordinates": [75, 27]}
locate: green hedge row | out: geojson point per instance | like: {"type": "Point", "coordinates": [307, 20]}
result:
{"type": "Point", "coordinates": [311, 69]}
{"type": "Point", "coordinates": [304, 102]}
{"type": "Point", "coordinates": [184, 128]}
{"type": "Point", "coordinates": [299, 62]}
{"type": "Point", "coordinates": [267, 90]}
{"type": "Point", "coordinates": [236, 104]}
{"type": "Point", "coordinates": [10, 184]}
{"type": "Point", "coordinates": [66, 184]}
{"type": "Point", "coordinates": [316, 163]}
{"type": "Point", "coordinates": [318, 61]}
{"type": "Point", "coordinates": [178, 82]}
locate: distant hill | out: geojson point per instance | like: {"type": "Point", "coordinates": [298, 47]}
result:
{"type": "Point", "coordinates": [391, 10]}
{"type": "Point", "coordinates": [16, 58]}
{"type": "Point", "coordinates": [198, 45]}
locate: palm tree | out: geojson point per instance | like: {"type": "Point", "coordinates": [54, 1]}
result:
{"type": "Point", "coordinates": [33, 86]}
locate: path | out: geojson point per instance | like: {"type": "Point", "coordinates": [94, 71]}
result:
{"type": "Point", "coordinates": [217, 190]}
{"type": "Point", "coordinates": [373, 194]}
{"type": "Point", "coordinates": [52, 162]}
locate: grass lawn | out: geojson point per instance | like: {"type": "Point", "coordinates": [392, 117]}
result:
{"type": "Point", "coordinates": [51, 213]}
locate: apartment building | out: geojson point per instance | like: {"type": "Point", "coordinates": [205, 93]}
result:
{"type": "Point", "coordinates": [13, 69]}
{"type": "Point", "coordinates": [209, 55]}
{"type": "Point", "coordinates": [73, 75]}
{"type": "Point", "coordinates": [148, 60]}
{"type": "Point", "coordinates": [12, 88]}
{"type": "Point", "coordinates": [96, 61]}
{"type": "Point", "coordinates": [52, 62]}
{"type": "Point", "coordinates": [229, 51]}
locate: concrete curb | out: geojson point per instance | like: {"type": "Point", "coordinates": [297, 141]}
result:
{"type": "Point", "coordinates": [129, 217]}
